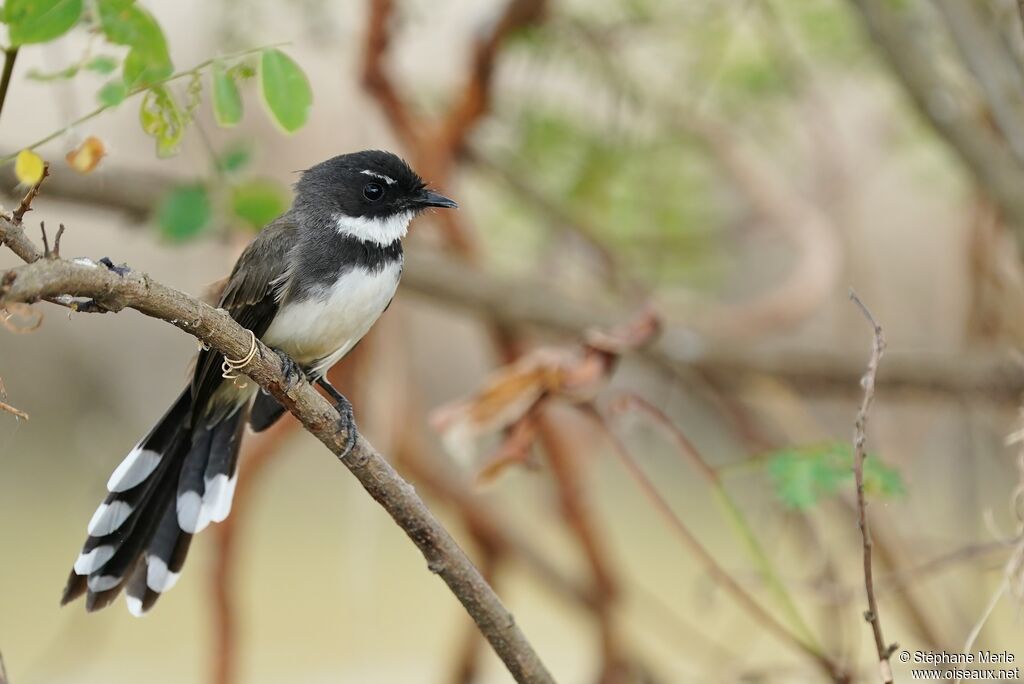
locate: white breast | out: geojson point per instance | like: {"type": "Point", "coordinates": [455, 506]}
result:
{"type": "Point", "coordinates": [320, 330]}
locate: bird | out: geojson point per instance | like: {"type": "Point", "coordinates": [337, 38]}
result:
{"type": "Point", "coordinates": [309, 286]}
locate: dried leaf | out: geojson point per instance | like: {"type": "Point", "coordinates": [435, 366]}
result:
{"type": "Point", "coordinates": [506, 396]}
{"type": "Point", "coordinates": [515, 449]}
{"type": "Point", "coordinates": [509, 396]}
{"type": "Point", "coordinates": [627, 337]}
{"type": "Point", "coordinates": [86, 157]}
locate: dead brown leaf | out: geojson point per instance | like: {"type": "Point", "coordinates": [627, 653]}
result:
{"type": "Point", "coordinates": [86, 157]}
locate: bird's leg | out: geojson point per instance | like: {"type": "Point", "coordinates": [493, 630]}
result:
{"type": "Point", "coordinates": [348, 419]}
{"type": "Point", "coordinates": [290, 369]}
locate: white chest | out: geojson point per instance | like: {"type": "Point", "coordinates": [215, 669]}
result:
{"type": "Point", "coordinates": [322, 329]}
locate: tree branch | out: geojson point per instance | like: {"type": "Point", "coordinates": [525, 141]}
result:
{"type": "Point", "coordinates": [215, 327]}
{"type": "Point", "coordinates": [884, 650]}
{"type": "Point", "coordinates": [982, 376]}
{"type": "Point", "coordinates": [914, 62]}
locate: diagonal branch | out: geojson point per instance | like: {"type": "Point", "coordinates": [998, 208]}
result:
{"type": "Point", "coordinates": [52, 277]}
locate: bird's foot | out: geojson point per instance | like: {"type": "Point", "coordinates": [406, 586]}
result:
{"type": "Point", "coordinates": [291, 370]}
{"type": "Point", "coordinates": [121, 270]}
{"type": "Point", "coordinates": [347, 419]}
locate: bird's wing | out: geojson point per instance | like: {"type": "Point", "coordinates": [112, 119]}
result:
{"type": "Point", "coordinates": [250, 298]}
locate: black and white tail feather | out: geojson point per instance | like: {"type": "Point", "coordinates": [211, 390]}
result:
{"type": "Point", "coordinates": [174, 483]}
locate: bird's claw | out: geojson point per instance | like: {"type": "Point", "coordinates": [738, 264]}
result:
{"type": "Point", "coordinates": [291, 370]}
{"type": "Point", "coordinates": [346, 419]}
{"type": "Point", "coordinates": [347, 423]}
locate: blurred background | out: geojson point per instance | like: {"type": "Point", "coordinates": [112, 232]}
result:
{"type": "Point", "coordinates": [653, 507]}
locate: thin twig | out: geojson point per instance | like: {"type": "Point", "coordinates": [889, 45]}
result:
{"type": "Point", "coordinates": [26, 202]}
{"type": "Point", "coordinates": [3, 671]}
{"type": "Point", "coordinates": [141, 89]}
{"type": "Point", "coordinates": [56, 241]}
{"type": "Point", "coordinates": [719, 574]}
{"type": "Point", "coordinates": [1020, 8]}
{"type": "Point", "coordinates": [759, 556]}
{"type": "Point", "coordinates": [46, 242]}
{"type": "Point", "coordinates": [580, 519]}
{"type": "Point", "coordinates": [7, 408]}
{"type": "Point", "coordinates": [46, 278]}
{"type": "Point", "coordinates": [884, 650]}
{"type": "Point", "coordinates": [10, 54]}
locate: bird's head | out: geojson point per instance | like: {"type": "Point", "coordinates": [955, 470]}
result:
{"type": "Point", "coordinates": [371, 195]}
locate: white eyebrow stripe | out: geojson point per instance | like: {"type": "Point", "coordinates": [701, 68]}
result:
{"type": "Point", "coordinates": [387, 179]}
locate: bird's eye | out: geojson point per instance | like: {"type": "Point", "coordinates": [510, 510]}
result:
{"type": "Point", "coordinates": [373, 191]}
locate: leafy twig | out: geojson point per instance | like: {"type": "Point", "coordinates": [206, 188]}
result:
{"type": "Point", "coordinates": [884, 650]}
{"type": "Point", "coordinates": [140, 89]}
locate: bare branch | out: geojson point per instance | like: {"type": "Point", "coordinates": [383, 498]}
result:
{"type": "Point", "coordinates": [885, 650]}
{"type": "Point", "coordinates": [7, 408]}
{"type": "Point", "coordinates": [376, 79]}
{"type": "Point", "coordinates": [684, 351]}
{"type": "Point", "coordinates": [216, 328]}
{"type": "Point", "coordinates": [915, 64]}
{"type": "Point", "coordinates": [26, 202]}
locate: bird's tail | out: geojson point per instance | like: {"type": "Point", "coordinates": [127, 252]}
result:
{"type": "Point", "coordinates": [177, 480]}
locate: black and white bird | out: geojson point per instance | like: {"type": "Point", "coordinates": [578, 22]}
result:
{"type": "Point", "coordinates": [309, 286]}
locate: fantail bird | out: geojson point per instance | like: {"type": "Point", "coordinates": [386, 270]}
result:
{"type": "Point", "coordinates": [310, 285]}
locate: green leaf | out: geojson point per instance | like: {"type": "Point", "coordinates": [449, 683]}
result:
{"type": "Point", "coordinates": [882, 480]}
{"type": "Point", "coordinates": [184, 212]}
{"type": "Point", "coordinates": [63, 74]}
{"type": "Point", "coordinates": [227, 103]}
{"type": "Point", "coordinates": [163, 119]}
{"type": "Point", "coordinates": [259, 201]}
{"type": "Point", "coordinates": [803, 476]}
{"type": "Point", "coordinates": [235, 158]}
{"type": "Point", "coordinates": [285, 90]}
{"type": "Point", "coordinates": [38, 21]}
{"type": "Point", "coordinates": [124, 23]}
{"type": "Point", "coordinates": [102, 64]}
{"type": "Point", "coordinates": [112, 94]}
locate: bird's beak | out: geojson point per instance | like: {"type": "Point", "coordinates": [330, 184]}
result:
{"type": "Point", "coordinates": [429, 198]}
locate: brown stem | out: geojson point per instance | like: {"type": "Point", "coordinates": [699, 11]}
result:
{"type": "Point", "coordinates": [859, 438]}
{"type": "Point", "coordinates": [10, 54]}
{"type": "Point", "coordinates": [719, 574]}
{"type": "Point", "coordinates": [576, 511]}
